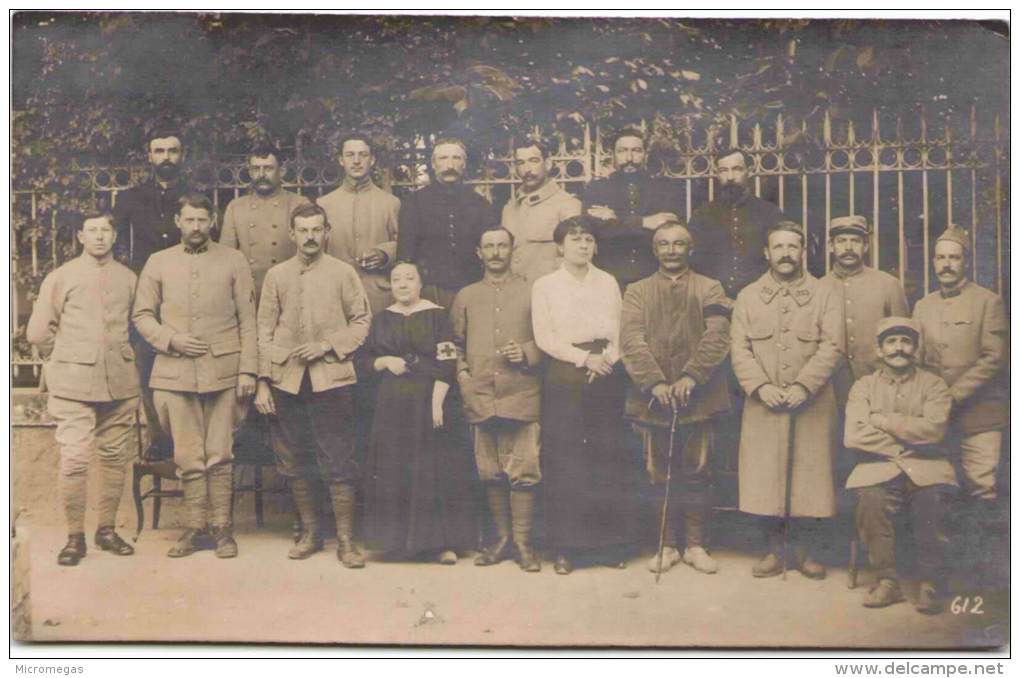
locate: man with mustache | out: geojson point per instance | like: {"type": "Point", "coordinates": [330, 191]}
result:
{"type": "Point", "coordinates": [731, 230]}
{"type": "Point", "coordinates": [896, 418]}
{"type": "Point", "coordinates": [964, 338]}
{"type": "Point", "coordinates": [195, 305]}
{"type": "Point", "coordinates": [256, 223]}
{"type": "Point", "coordinates": [785, 346]}
{"type": "Point", "coordinates": [314, 315]}
{"type": "Point", "coordinates": [864, 295]}
{"type": "Point", "coordinates": [364, 220]}
{"type": "Point", "coordinates": [674, 335]}
{"type": "Point", "coordinates": [532, 213]}
{"type": "Point", "coordinates": [143, 217]}
{"type": "Point", "coordinates": [627, 207]}
{"type": "Point", "coordinates": [499, 380]}
{"type": "Point", "coordinates": [441, 223]}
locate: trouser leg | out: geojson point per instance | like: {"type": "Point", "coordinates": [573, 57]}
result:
{"type": "Point", "coordinates": [75, 435]}
{"type": "Point", "coordinates": [979, 461]}
{"type": "Point", "coordinates": [694, 490]}
{"type": "Point", "coordinates": [928, 510]}
{"type": "Point", "coordinates": [876, 507]}
{"type": "Point", "coordinates": [113, 435]}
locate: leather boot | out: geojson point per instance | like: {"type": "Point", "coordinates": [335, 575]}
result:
{"type": "Point", "coordinates": [499, 506]}
{"type": "Point", "coordinates": [108, 540]}
{"type": "Point", "coordinates": [522, 511]}
{"type": "Point", "coordinates": [928, 601]}
{"type": "Point", "coordinates": [304, 501]}
{"type": "Point", "coordinates": [221, 499]}
{"type": "Point", "coordinates": [73, 551]}
{"type": "Point", "coordinates": [347, 551]}
{"type": "Point", "coordinates": [695, 555]}
{"type": "Point", "coordinates": [808, 566]}
{"type": "Point", "coordinates": [883, 594]}
{"type": "Point", "coordinates": [193, 511]}
{"type": "Point", "coordinates": [771, 565]}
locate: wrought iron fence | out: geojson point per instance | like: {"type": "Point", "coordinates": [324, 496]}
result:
{"type": "Point", "coordinates": [909, 184]}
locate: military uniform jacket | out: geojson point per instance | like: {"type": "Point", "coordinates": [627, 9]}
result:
{"type": "Point", "coordinates": [302, 303]}
{"type": "Point", "coordinates": [785, 335]}
{"type": "Point", "coordinates": [532, 218]}
{"type": "Point", "coordinates": [209, 294]}
{"type": "Point", "coordinates": [916, 410]}
{"type": "Point", "coordinates": [259, 227]}
{"type": "Point", "coordinates": [964, 339]}
{"type": "Point", "coordinates": [486, 315]}
{"type": "Point", "coordinates": [144, 219]}
{"type": "Point", "coordinates": [669, 328]}
{"type": "Point", "coordinates": [81, 320]}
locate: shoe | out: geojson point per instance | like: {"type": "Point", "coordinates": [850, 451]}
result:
{"type": "Point", "coordinates": [769, 566]}
{"type": "Point", "coordinates": [928, 599]}
{"type": "Point", "coordinates": [226, 547]}
{"type": "Point", "coordinates": [883, 594]}
{"type": "Point", "coordinates": [698, 558]}
{"type": "Point", "coordinates": [563, 565]}
{"type": "Point", "coordinates": [348, 554]}
{"type": "Point", "coordinates": [670, 557]}
{"type": "Point", "coordinates": [495, 554]}
{"type": "Point", "coordinates": [73, 551]}
{"type": "Point", "coordinates": [186, 545]}
{"type": "Point", "coordinates": [527, 560]}
{"type": "Point", "coordinates": [448, 557]}
{"type": "Point", "coordinates": [107, 539]}
{"type": "Point", "coordinates": [808, 566]}
{"type": "Point", "coordinates": [308, 544]}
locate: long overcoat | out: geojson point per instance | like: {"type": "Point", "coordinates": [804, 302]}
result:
{"type": "Point", "coordinates": [785, 335]}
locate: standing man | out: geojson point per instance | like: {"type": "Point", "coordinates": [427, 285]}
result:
{"type": "Point", "coordinates": [440, 226]}
{"type": "Point", "coordinates": [964, 339]}
{"type": "Point", "coordinates": [785, 347]}
{"type": "Point", "coordinates": [532, 214]}
{"type": "Point", "coordinates": [196, 306]}
{"type": "Point", "coordinates": [80, 321]}
{"type": "Point", "coordinates": [627, 207]}
{"type": "Point", "coordinates": [313, 316]}
{"type": "Point", "coordinates": [674, 334]}
{"type": "Point", "coordinates": [364, 220]}
{"type": "Point", "coordinates": [864, 296]}
{"type": "Point", "coordinates": [256, 223]}
{"type": "Point", "coordinates": [500, 384]}
{"type": "Point", "coordinates": [144, 220]}
{"type": "Point", "coordinates": [896, 418]}
{"type": "Point", "coordinates": [732, 230]}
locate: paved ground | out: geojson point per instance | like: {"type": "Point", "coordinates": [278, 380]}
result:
{"type": "Point", "coordinates": [263, 597]}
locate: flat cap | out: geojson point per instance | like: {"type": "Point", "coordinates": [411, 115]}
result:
{"type": "Point", "coordinates": [896, 325]}
{"type": "Point", "coordinates": [956, 234]}
{"type": "Point", "coordinates": [852, 224]}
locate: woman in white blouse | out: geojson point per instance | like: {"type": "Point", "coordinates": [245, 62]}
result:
{"type": "Point", "coordinates": [587, 470]}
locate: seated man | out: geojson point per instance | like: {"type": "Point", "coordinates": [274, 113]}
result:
{"type": "Point", "coordinates": [897, 417]}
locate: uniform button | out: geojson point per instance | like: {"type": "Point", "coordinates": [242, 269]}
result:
{"type": "Point", "coordinates": [164, 236]}
{"type": "Point", "coordinates": [251, 261]}
{"type": "Point", "coordinates": [274, 225]}
{"type": "Point", "coordinates": [251, 225]}
{"type": "Point", "coordinates": [851, 339]}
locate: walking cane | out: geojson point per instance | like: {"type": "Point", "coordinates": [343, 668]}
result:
{"type": "Point", "coordinates": [787, 509]}
{"type": "Point", "coordinates": [665, 500]}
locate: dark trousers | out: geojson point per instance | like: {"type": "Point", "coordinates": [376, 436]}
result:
{"type": "Point", "coordinates": [876, 507]}
{"type": "Point", "coordinates": [313, 434]}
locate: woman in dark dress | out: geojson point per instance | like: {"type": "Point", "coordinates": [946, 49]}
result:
{"type": "Point", "coordinates": [418, 494]}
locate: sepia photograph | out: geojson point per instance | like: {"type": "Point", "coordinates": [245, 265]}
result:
{"type": "Point", "coordinates": [392, 330]}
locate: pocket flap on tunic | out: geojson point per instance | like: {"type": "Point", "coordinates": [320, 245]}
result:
{"type": "Point", "coordinates": [226, 347]}
{"type": "Point", "coordinates": [76, 353]}
{"type": "Point", "coordinates": [808, 334]}
{"type": "Point", "coordinates": [759, 332]}
{"type": "Point", "coordinates": [279, 354]}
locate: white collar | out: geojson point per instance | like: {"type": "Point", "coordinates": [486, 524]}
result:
{"type": "Point", "coordinates": [422, 305]}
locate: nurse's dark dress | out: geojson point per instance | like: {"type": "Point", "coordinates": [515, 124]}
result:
{"type": "Point", "coordinates": [418, 486]}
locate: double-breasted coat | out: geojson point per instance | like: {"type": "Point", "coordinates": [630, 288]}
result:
{"type": "Point", "coordinates": [785, 335]}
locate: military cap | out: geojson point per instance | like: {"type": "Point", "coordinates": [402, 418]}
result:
{"type": "Point", "coordinates": [855, 224]}
{"type": "Point", "coordinates": [957, 235]}
{"type": "Point", "coordinates": [896, 325]}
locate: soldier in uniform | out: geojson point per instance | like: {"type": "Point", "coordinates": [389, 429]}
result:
{"type": "Point", "coordinates": [363, 221]}
{"type": "Point", "coordinates": [256, 223]}
{"type": "Point", "coordinates": [864, 295]}
{"type": "Point", "coordinates": [80, 321]}
{"type": "Point", "coordinates": [196, 306]}
{"type": "Point", "coordinates": [964, 339]}
{"type": "Point", "coordinates": [627, 207]}
{"type": "Point", "coordinates": [532, 214]}
{"type": "Point", "coordinates": [498, 377]}
{"type": "Point", "coordinates": [674, 334]}
{"type": "Point", "coordinates": [896, 418]}
{"type": "Point", "coordinates": [314, 314]}
{"type": "Point", "coordinates": [785, 347]}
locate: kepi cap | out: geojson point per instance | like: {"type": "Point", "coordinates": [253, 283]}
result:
{"type": "Point", "coordinates": [896, 325]}
{"type": "Point", "coordinates": [855, 224]}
